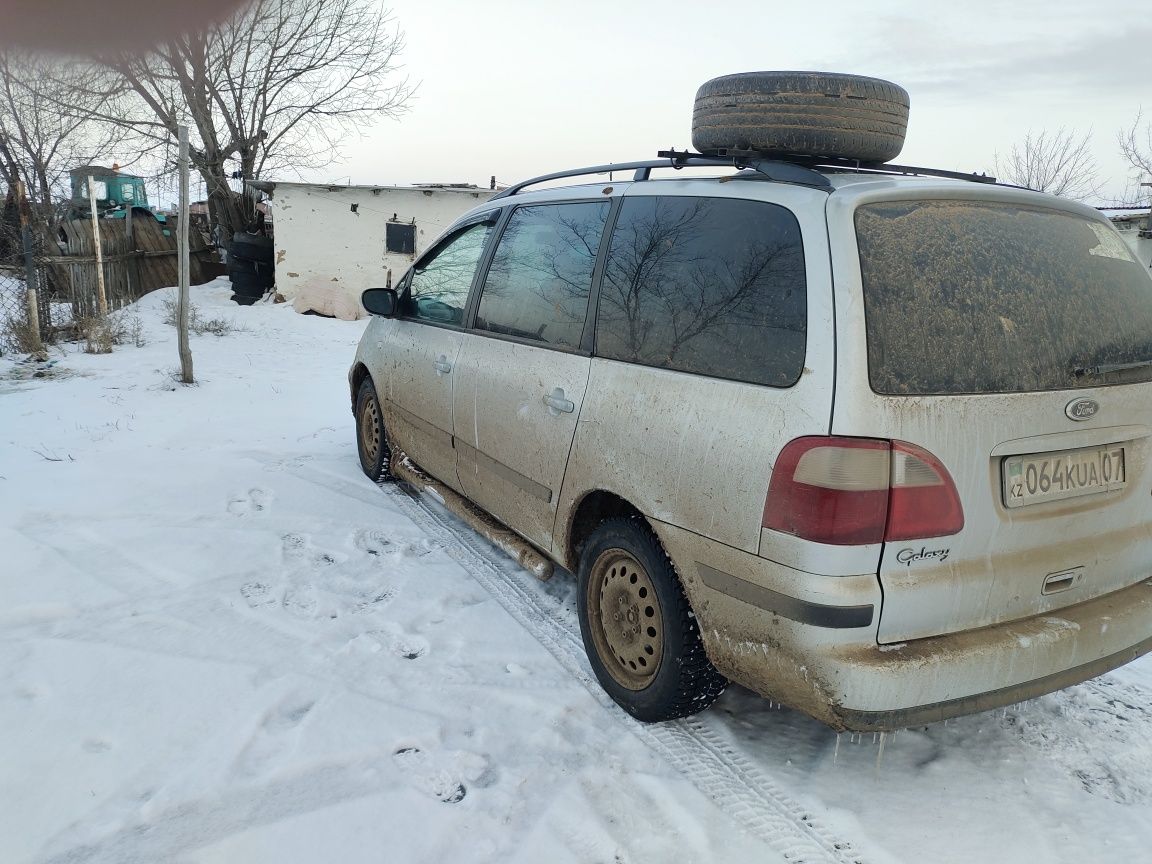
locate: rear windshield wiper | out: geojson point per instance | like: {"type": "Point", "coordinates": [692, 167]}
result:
{"type": "Point", "coordinates": [1105, 368]}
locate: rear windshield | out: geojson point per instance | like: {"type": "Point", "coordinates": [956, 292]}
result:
{"type": "Point", "coordinates": [981, 297]}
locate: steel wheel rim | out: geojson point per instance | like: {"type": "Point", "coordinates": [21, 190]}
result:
{"type": "Point", "coordinates": [370, 430]}
{"type": "Point", "coordinates": [625, 619]}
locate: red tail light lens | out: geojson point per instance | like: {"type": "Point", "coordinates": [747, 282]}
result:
{"type": "Point", "coordinates": [856, 491]}
{"type": "Point", "coordinates": [922, 501]}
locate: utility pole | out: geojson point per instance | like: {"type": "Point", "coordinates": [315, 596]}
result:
{"type": "Point", "coordinates": [101, 297]}
{"type": "Point", "coordinates": [182, 253]}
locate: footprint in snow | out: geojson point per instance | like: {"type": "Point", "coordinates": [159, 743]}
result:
{"type": "Point", "coordinates": [373, 542]}
{"type": "Point", "coordinates": [424, 775]}
{"type": "Point", "coordinates": [257, 594]}
{"type": "Point", "coordinates": [275, 736]}
{"type": "Point", "coordinates": [296, 547]}
{"type": "Point", "coordinates": [372, 601]}
{"type": "Point", "coordinates": [302, 601]}
{"type": "Point", "coordinates": [255, 501]}
{"type": "Point", "coordinates": [410, 647]}
{"type": "Point", "coordinates": [292, 545]}
{"type": "Point", "coordinates": [421, 548]}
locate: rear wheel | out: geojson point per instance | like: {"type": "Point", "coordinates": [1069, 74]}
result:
{"type": "Point", "coordinates": [639, 631]}
{"type": "Point", "coordinates": [371, 439]}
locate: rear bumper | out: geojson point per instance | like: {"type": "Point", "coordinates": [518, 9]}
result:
{"type": "Point", "coordinates": [867, 721]}
{"type": "Point", "coordinates": [816, 662]}
{"type": "Point", "coordinates": [926, 680]}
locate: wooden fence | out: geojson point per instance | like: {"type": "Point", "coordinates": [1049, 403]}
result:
{"type": "Point", "coordinates": [139, 255]}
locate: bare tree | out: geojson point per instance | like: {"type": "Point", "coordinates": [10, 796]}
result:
{"type": "Point", "coordinates": [1136, 148]}
{"type": "Point", "coordinates": [278, 86]}
{"type": "Point", "coordinates": [1059, 163]}
{"type": "Point", "coordinates": [45, 130]}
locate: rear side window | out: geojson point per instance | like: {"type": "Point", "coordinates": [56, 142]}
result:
{"type": "Point", "coordinates": [983, 297]}
{"type": "Point", "coordinates": [713, 286]}
{"type": "Point", "coordinates": [541, 273]}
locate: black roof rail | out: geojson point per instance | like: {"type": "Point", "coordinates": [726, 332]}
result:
{"type": "Point", "coordinates": [784, 172]}
{"type": "Point", "coordinates": [838, 164]}
{"type": "Point", "coordinates": [795, 169]}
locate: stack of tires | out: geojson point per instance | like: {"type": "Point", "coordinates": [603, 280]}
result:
{"type": "Point", "coordinates": [250, 267]}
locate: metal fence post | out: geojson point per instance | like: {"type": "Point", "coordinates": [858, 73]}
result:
{"type": "Point", "coordinates": [182, 249]}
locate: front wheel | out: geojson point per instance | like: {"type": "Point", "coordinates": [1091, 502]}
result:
{"type": "Point", "coordinates": [371, 439]}
{"type": "Point", "coordinates": [640, 634]}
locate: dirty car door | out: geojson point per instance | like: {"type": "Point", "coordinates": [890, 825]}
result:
{"type": "Point", "coordinates": [421, 350]}
{"type": "Point", "coordinates": [524, 364]}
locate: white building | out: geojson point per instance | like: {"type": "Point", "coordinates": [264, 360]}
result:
{"type": "Point", "coordinates": [1134, 227]}
{"type": "Point", "coordinates": [333, 242]}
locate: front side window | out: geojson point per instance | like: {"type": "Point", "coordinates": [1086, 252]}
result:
{"type": "Point", "coordinates": [713, 286]}
{"type": "Point", "coordinates": [101, 190]}
{"type": "Point", "coordinates": [990, 297]}
{"type": "Point", "coordinates": [538, 284]}
{"type": "Point", "coordinates": [438, 290]}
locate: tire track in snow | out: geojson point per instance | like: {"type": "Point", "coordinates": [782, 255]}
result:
{"type": "Point", "coordinates": [692, 746]}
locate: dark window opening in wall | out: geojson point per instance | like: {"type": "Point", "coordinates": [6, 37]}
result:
{"type": "Point", "coordinates": [400, 237]}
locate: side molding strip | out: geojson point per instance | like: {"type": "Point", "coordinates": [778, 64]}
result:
{"type": "Point", "coordinates": [816, 614]}
{"type": "Point", "coordinates": [482, 459]}
{"type": "Point", "coordinates": [443, 439]}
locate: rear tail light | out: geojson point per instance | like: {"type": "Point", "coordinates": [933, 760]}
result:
{"type": "Point", "coordinates": [855, 491]}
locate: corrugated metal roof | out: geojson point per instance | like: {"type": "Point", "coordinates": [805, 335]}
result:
{"type": "Point", "coordinates": [270, 187]}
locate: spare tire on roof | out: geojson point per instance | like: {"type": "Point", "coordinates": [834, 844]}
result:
{"type": "Point", "coordinates": [802, 113]}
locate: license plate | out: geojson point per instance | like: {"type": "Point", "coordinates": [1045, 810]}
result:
{"type": "Point", "coordinates": [1040, 477]}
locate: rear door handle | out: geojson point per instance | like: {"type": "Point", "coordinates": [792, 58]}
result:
{"type": "Point", "coordinates": [557, 404]}
{"type": "Point", "coordinates": [442, 366]}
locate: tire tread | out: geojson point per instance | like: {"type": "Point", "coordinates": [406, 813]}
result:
{"type": "Point", "coordinates": [809, 113]}
{"type": "Point", "coordinates": [698, 684]}
{"type": "Point", "coordinates": [381, 472]}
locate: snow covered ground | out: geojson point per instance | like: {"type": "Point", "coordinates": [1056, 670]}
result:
{"type": "Point", "coordinates": [220, 643]}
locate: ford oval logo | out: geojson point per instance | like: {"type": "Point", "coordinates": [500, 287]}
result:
{"type": "Point", "coordinates": [1081, 409]}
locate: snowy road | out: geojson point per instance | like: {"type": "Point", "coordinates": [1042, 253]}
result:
{"type": "Point", "coordinates": [220, 643]}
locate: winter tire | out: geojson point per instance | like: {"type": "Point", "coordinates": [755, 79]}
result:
{"type": "Point", "coordinates": [267, 274]}
{"type": "Point", "coordinates": [251, 247]}
{"type": "Point", "coordinates": [640, 634]}
{"type": "Point", "coordinates": [371, 439]}
{"type": "Point", "coordinates": [246, 283]}
{"type": "Point", "coordinates": [802, 113]}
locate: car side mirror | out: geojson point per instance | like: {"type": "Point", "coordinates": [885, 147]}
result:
{"type": "Point", "coordinates": [380, 301]}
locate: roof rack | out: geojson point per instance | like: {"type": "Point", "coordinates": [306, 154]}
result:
{"type": "Point", "coordinates": [798, 170]}
{"type": "Point", "coordinates": [837, 164]}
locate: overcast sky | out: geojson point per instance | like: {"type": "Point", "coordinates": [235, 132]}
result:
{"type": "Point", "coordinates": [516, 88]}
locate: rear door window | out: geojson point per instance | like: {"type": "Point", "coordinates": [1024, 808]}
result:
{"type": "Point", "coordinates": [540, 277]}
{"type": "Point", "coordinates": [986, 297]}
{"type": "Point", "coordinates": [713, 286]}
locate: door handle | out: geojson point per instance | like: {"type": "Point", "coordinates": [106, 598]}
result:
{"type": "Point", "coordinates": [557, 404]}
{"type": "Point", "coordinates": [442, 366]}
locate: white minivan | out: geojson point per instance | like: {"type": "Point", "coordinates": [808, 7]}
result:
{"type": "Point", "coordinates": [872, 442]}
